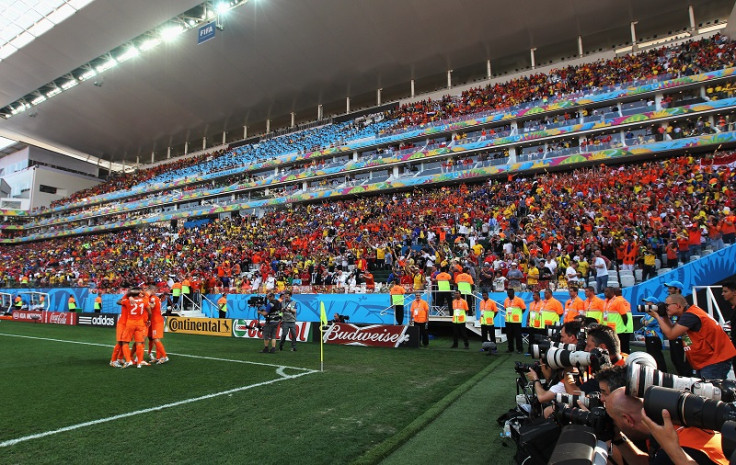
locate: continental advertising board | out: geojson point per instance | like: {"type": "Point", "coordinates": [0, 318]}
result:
{"type": "Point", "coordinates": [202, 326]}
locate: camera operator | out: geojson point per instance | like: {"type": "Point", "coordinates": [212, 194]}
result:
{"type": "Point", "coordinates": [272, 313]}
{"type": "Point", "coordinates": [707, 347]}
{"type": "Point", "coordinates": [559, 381]}
{"type": "Point", "coordinates": [288, 320]}
{"type": "Point", "coordinates": [637, 447]}
{"type": "Point", "coordinates": [677, 351]}
{"type": "Point", "coordinates": [603, 338]}
{"type": "Point", "coordinates": [728, 291]}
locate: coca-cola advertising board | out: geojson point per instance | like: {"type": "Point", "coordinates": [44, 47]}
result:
{"type": "Point", "coordinates": [54, 318]}
{"type": "Point", "coordinates": [249, 329]}
{"type": "Point", "coordinates": [371, 336]}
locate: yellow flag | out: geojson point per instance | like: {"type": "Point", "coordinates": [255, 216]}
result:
{"type": "Point", "coordinates": [322, 314]}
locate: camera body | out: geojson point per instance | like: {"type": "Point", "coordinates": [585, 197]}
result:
{"type": "Point", "coordinates": [596, 418]}
{"type": "Point", "coordinates": [257, 301]}
{"type": "Point", "coordinates": [523, 368]}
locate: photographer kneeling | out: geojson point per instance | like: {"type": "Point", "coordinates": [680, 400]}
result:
{"type": "Point", "coordinates": [560, 381]}
{"type": "Point", "coordinates": [272, 313]}
{"type": "Point", "coordinates": [637, 447]}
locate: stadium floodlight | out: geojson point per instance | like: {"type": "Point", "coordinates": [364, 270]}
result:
{"type": "Point", "coordinates": [169, 33]}
{"type": "Point", "coordinates": [129, 53]}
{"type": "Point", "coordinates": [88, 74]}
{"type": "Point", "coordinates": [52, 92]}
{"type": "Point", "coordinates": [107, 65]}
{"type": "Point", "coordinates": [69, 84]}
{"type": "Point", "coordinates": [149, 44]}
{"type": "Point", "coordinates": [222, 7]}
{"type": "Point", "coordinates": [39, 99]}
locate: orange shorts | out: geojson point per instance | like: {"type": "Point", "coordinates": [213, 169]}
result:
{"type": "Point", "coordinates": [135, 330]}
{"type": "Point", "coordinates": [156, 330]}
{"type": "Point", "coordinates": [119, 330]}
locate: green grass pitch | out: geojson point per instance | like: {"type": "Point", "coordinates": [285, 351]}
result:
{"type": "Point", "coordinates": [221, 401]}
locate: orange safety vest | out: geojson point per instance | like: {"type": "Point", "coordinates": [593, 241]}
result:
{"type": "Point", "coordinates": [709, 345]}
{"type": "Point", "coordinates": [459, 310]}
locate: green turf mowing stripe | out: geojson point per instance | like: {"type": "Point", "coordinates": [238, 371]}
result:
{"type": "Point", "coordinates": [384, 449]}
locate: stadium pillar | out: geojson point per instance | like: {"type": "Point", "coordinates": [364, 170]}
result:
{"type": "Point", "coordinates": [224, 137]}
{"type": "Point", "coordinates": [378, 97]}
{"type": "Point", "coordinates": [531, 55]}
{"type": "Point", "coordinates": [658, 99]}
{"type": "Point", "coordinates": [411, 93]}
{"type": "Point", "coordinates": [186, 147]}
{"type": "Point", "coordinates": [347, 104]}
{"type": "Point", "coordinates": [449, 79]}
{"type": "Point", "coordinates": [512, 155]}
{"type": "Point", "coordinates": [634, 48]}
{"type": "Point", "coordinates": [245, 132]}
{"type": "Point", "coordinates": [355, 156]}
{"type": "Point", "coordinates": [580, 46]}
{"type": "Point", "coordinates": [204, 143]}
{"type": "Point", "coordinates": [396, 172]}
{"type": "Point", "coordinates": [293, 120]}
{"type": "Point", "coordinates": [319, 112]}
{"type": "Point", "coordinates": [153, 156]}
{"type": "Point", "coordinates": [305, 185]}
{"type": "Point", "coordinates": [268, 125]}
{"type": "Point", "coordinates": [489, 74]}
{"type": "Point", "coordinates": [691, 13]}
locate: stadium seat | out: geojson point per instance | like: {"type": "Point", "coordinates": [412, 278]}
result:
{"type": "Point", "coordinates": [628, 281]}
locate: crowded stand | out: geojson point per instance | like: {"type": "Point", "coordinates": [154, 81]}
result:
{"type": "Point", "coordinates": [684, 59]}
{"type": "Point", "coordinates": [542, 223]}
{"type": "Point", "coordinates": [687, 59]}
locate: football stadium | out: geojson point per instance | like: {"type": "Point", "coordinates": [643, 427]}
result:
{"type": "Point", "coordinates": [368, 232]}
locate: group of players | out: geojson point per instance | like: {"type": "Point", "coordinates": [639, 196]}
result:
{"type": "Point", "coordinates": [140, 318]}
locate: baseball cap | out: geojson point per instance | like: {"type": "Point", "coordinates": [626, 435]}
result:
{"type": "Point", "coordinates": [676, 284]}
{"type": "Point", "coordinates": [650, 299]}
{"type": "Point", "coordinates": [514, 264]}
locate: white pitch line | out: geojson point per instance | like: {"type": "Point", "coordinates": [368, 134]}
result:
{"type": "Point", "coordinates": [12, 442]}
{"type": "Point", "coordinates": [201, 357]}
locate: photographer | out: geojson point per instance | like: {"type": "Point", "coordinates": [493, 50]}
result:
{"type": "Point", "coordinates": [288, 320]}
{"type": "Point", "coordinates": [637, 447]}
{"type": "Point", "coordinates": [272, 313]}
{"type": "Point", "coordinates": [603, 338]}
{"type": "Point", "coordinates": [707, 347]}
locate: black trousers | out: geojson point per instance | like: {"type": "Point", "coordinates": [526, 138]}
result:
{"type": "Point", "coordinates": [677, 355]}
{"type": "Point", "coordinates": [399, 314]}
{"type": "Point", "coordinates": [458, 331]}
{"type": "Point", "coordinates": [513, 333]}
{"type": "Point", "coordinates": [423, 333]}
{"type": "Point", "coordinates": [625, 338]}
{"type": "Point", "coordinates": [654, 348]}
{"type": "Point", "coordinates": [487, 331]}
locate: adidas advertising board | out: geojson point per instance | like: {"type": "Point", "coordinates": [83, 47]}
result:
{"type": "Point", "coordinates": [105, 320]}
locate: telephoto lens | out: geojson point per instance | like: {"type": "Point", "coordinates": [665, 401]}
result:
{"type": "Point", "coordinates": [687, 409]}
{"type": "Point", "coordinates": [571, 400]}
{"type": "Point", "coordinates": [540, 349]}
{"type": "Point", "coordinates": [641, 377]}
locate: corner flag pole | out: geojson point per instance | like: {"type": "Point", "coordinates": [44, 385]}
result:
{"type": "Point", "coordinates": [322, 325]}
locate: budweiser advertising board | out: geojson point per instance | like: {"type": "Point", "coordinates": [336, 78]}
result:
{"type": "Point", "coordinates": [372, 336]}
{"type": "Point", "coordinates": [249, 329]}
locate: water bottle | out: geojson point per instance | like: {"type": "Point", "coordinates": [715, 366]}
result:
{"type": "Point", "coordinates": [506, 430]}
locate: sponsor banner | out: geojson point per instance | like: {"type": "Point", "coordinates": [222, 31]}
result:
{"type": "Point", "coordinates": [105, 320]}
{"type": "Point", "coordinates": [60, 318]}
{"type": "Point", "coordinates": [204, 326]}
{"type": "Point", "coordinates": [25, 315]}
{"type": "Point", "coordinates": [371, 336]}
{"type": "Point", "coordinates": [249, 329]}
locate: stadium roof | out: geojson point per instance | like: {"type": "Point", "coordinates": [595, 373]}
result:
{"type": "Point", "coordinates": [275, 57]}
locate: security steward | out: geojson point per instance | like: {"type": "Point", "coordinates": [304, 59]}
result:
{"type": "Point", "coordinates": [419, 317]}
{"type": "Point", "coordinates": [98, 304]}
{"type": "Point", "coordinates": [222, 306]}
{"type": "Point", "coordinates": [515, 307]}
{"type": "Point", "coordinates": [488, 309]}
{"type": "Point", "coordinates": [397, 301]}
{"type": "Point", "coordinates": [459, 317]}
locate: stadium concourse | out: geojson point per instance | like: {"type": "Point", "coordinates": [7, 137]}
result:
{"type": "Point", "coordinates": [542, 221]}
